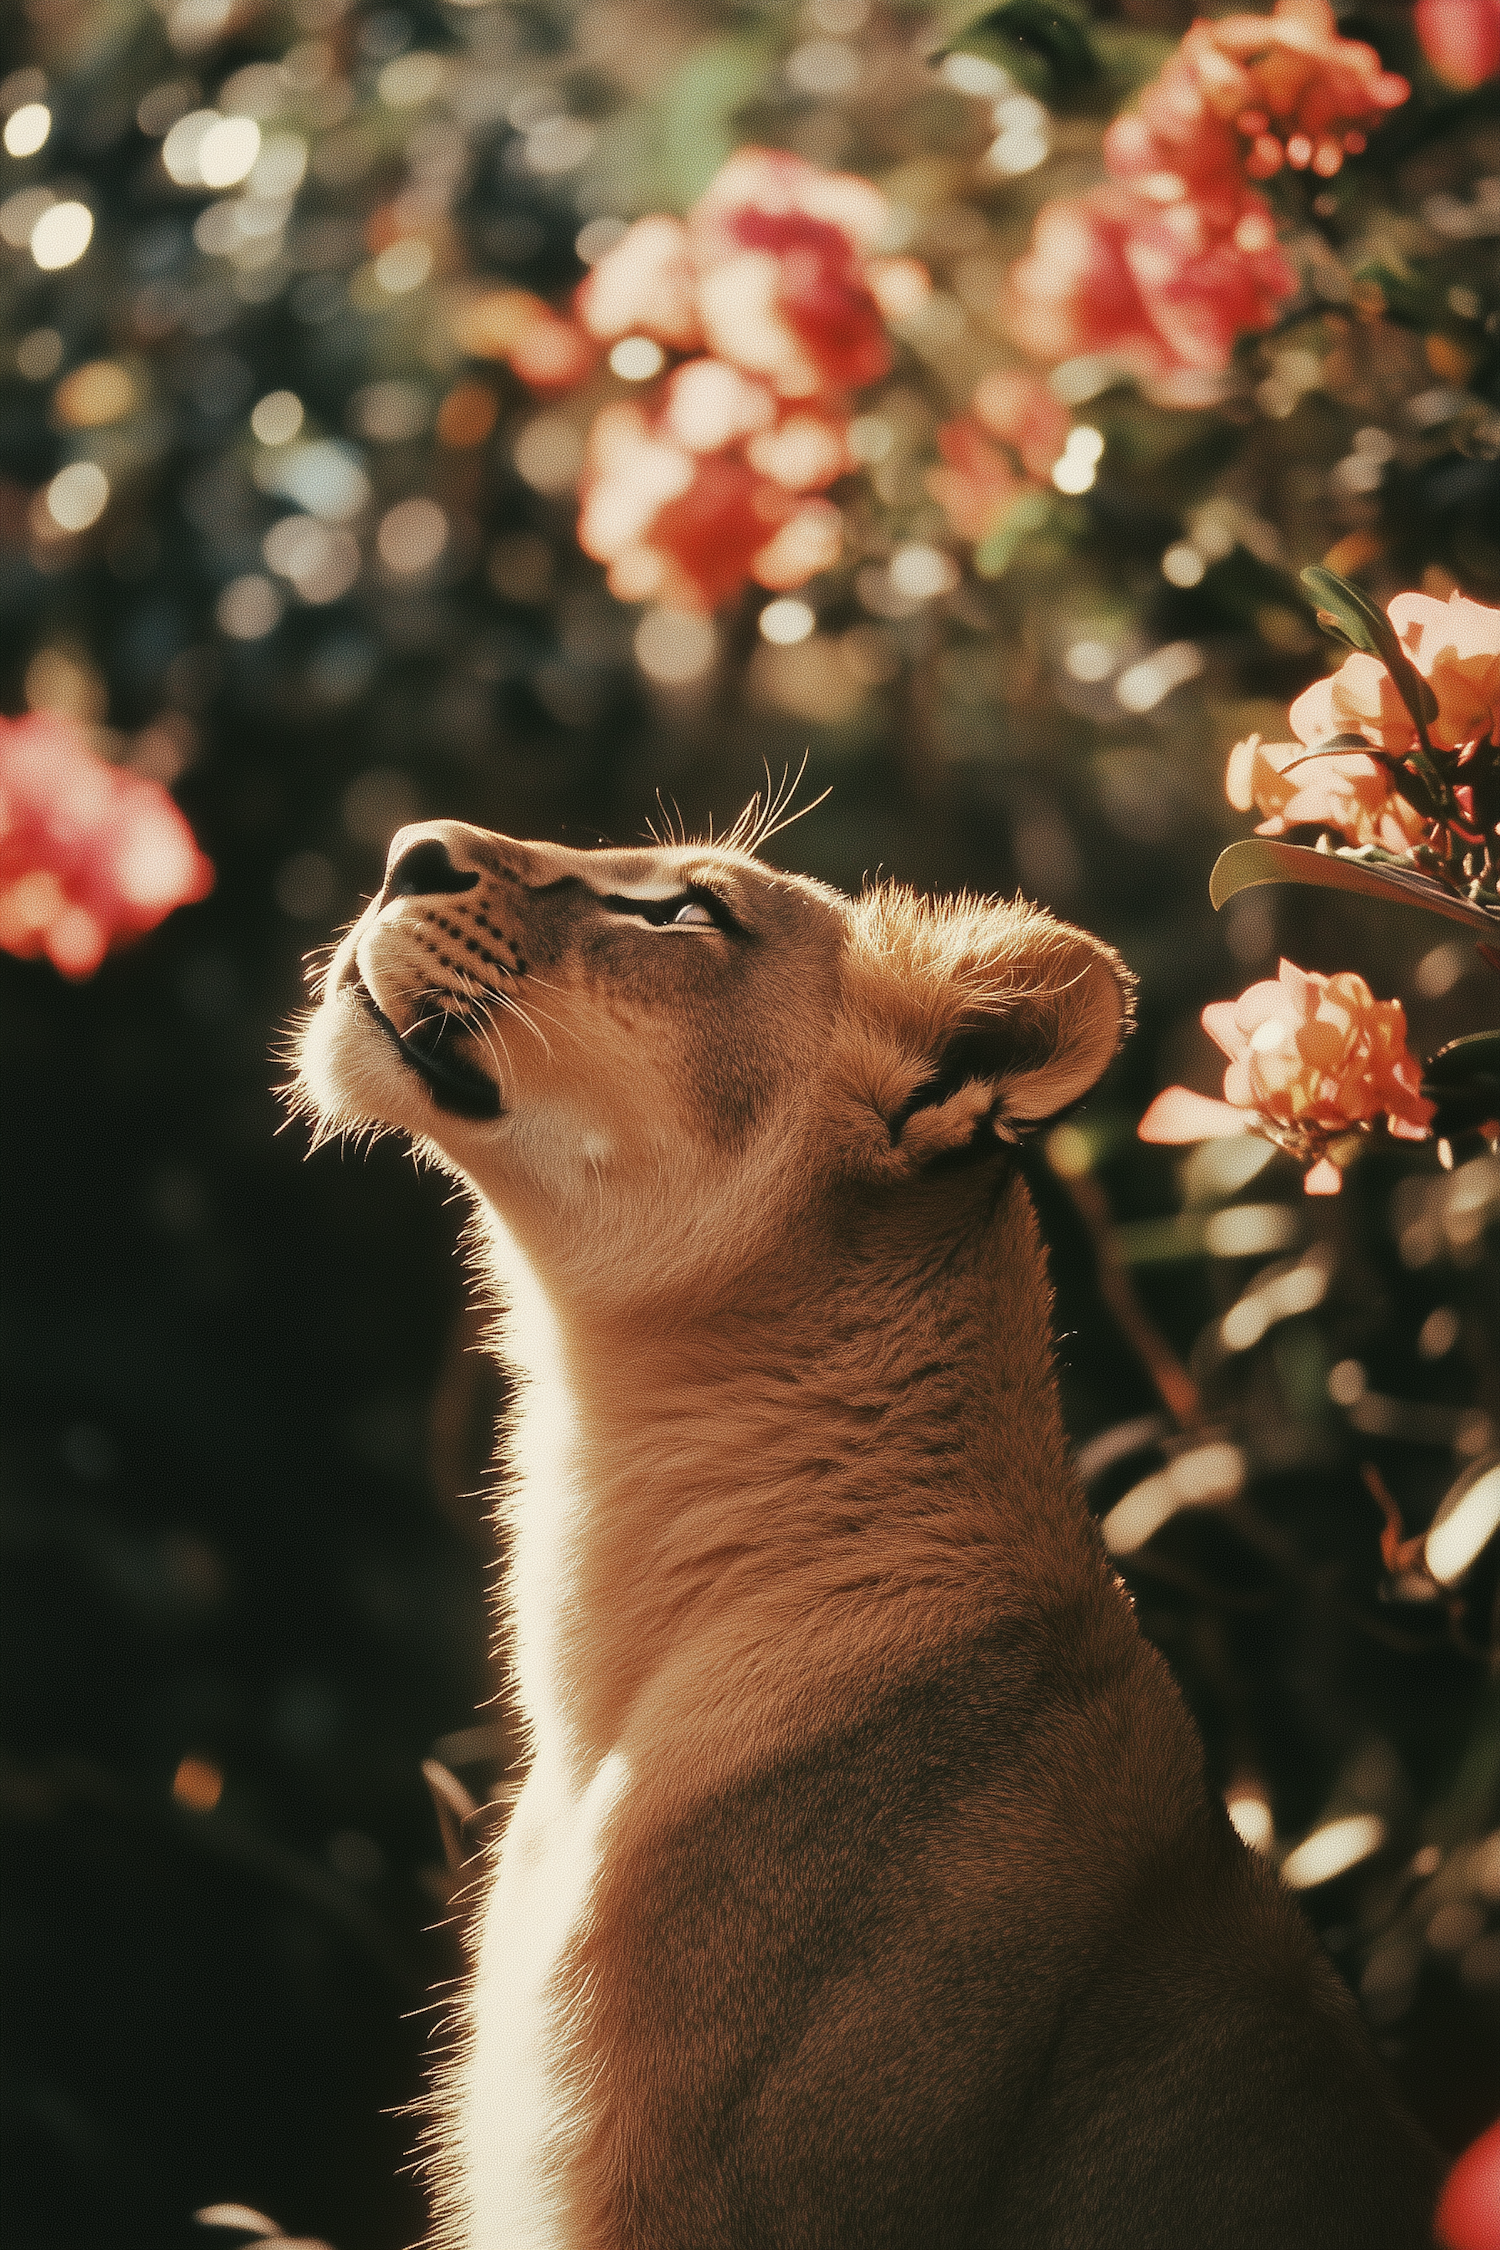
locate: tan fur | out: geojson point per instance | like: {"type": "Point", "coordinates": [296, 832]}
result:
{"type": "Point", "coordinates": [864, 1886]}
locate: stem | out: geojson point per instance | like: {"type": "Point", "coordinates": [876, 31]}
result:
{"type": "Point", "coordinates": [1174, 1386]}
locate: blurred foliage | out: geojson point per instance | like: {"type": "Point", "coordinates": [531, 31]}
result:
{"type": "Point", "coordinates": [248, 1422]}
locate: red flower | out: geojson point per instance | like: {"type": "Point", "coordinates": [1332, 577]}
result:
{"type": "Point", "coordinates": [1460, 38]}
{"type": "Point", "coordinates": [1285, 83]}
{"type": "Point", "coordinates": [773, 271]}
{"type": "Point", "coordinates": [1164, 285]}
{"type": "Point", "coordinates": [783, 281]}
{"type": "Point", "coordinates": [90, 855]}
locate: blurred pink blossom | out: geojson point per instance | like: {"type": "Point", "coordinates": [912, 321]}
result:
{"type": "Point", "coordinates": [647, 285]}
{"type": "Point", "coordinates": [1163, 283]}
{"type": "Point", "coordinates": [689, 527]}
{"type": "Point", "coordinates": [90, 855]}
{"type": "Point", "coordinates": [1461, 40]}
{"type": "Point", "coordinates": [771, 284]}
{"type": "Point", "coordinates": [782, 251]}
{"type": "Point", "coordinates": [1025, 415]}
{"type": "Point", "coordinates": [977, 485]}
{"type": "Point", "coordinates": [548, 351]}
{"type": "Point", "coordinates": [773, 269]}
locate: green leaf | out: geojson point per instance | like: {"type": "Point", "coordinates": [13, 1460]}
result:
{"type": "Point", "coordinates": [1356, 619]}
{"type": "Point", "coordinates": [693, 125]}
{"type": "Point", "coordinates": [1463, 1078]}
{"type": "Point", "coordinates": [1045, 45]}
{"type": "Point", "coordinates": [1258, 859]}
{"type": "Point", "coordinates": [997, 550]}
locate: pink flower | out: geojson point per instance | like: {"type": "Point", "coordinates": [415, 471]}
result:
{"type": "Point", "coordinates": [1341, 790]}
{"type": "Point", "coordinates": [689, 525]}
{"type": "Point", "coordinates": [1308, 1050]}
{"type": "Point", "coordinates": [1455, 645]}
{"type": "Point", "coordinates": [1461, 40]}
{"type": "Point", "coordinates": [1074, 292]}
{"type": "Point", "coordinates": [1312, 1060]}
{"type": "Point", "coordinates": [90, 855]}
{"type": "Point", "coordinates": [1285, 83]}
{"type": "Point", "coordinates": [773, 271]}
{"type": "Point", "coordinates": [1178, 1115]}
{"type": "Point", "coordinates": [1163, 284]}
{"type": "Point", "coordinates": [709, 405]}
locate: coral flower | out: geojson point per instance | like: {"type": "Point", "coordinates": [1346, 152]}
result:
{"type": "Point", "coordinates": [1341, 790]}
{"type": "Point", "coordinates": [1455, 645]}
{"type": "Point", "coordinates": [1163, 285]}
{"type": "Point", "coordinates": [1313, 1051]}
{"type": "Point", "coordinates": [1311, 1060]}
{"type": "Point", "coordinates": [90, 855]}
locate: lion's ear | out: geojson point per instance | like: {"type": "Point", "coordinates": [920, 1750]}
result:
{"type": "Point", "coordinates": [1001, 1018]}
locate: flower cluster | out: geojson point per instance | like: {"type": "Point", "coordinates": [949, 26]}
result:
{"type": "Point", "coordinates": [1428, 788]}
{"type": "Point", "coordinates": [1313, 1061]}
{"type": "Point", "coordinates": [1264, 90]}
{"type": "Point", "coordinates": [1455, 647]}
{"type": "Point", "coordinates": [90, 855]}
{"type": "Point", "coordinates": [1175, 255]}
{"type": "Point", "coordinates": [772, 292]}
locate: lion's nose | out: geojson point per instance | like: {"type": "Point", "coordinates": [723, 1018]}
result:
{"type": "Point", "coordinates": [426, 869]}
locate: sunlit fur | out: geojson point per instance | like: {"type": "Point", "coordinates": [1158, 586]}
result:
{"type": "Point", "coordinates": [865, 1886]}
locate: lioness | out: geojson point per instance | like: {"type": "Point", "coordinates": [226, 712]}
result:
{"type": "Point", "coordinates": [865, 1887]}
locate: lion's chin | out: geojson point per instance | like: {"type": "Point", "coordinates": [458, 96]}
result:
{"type": "Point", "coordinates": [457, 1085]}
{"type": "Point", "coordinates": [357, 1069]}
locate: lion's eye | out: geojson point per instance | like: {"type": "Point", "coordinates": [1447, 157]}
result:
{"type": "Point", "coordinates": [694, 912]}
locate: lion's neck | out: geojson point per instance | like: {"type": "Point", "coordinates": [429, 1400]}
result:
{"type": "Point", "coordinates": [856, 1453]}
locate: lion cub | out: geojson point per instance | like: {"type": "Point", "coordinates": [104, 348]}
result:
{"type": "Point", "coordinates": [865, 1887]}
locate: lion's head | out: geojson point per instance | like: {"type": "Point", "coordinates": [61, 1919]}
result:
{"type": "Point", "coordinates": [645, 1059]}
